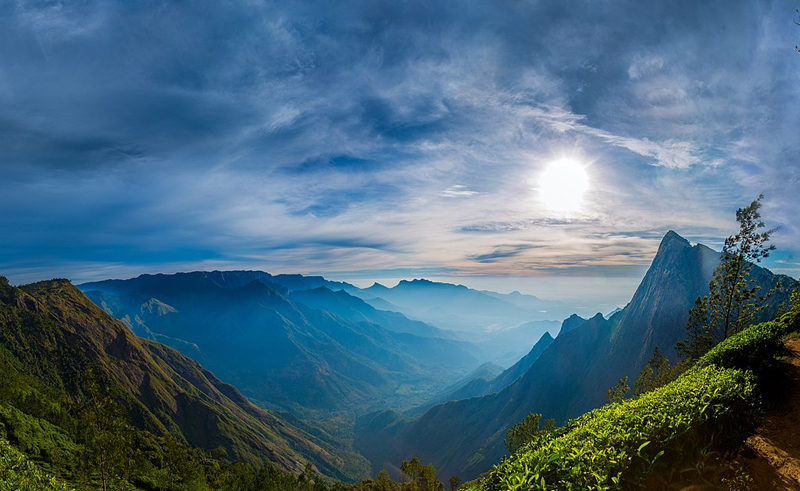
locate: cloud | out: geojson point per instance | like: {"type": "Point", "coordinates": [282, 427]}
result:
{"type": "Point", "coordinates": [386, 136]}
{"type": "Point", "coordinates": [458, 191]}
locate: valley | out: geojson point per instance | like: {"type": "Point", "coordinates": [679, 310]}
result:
{"type": "Point", "coordinates": [365, 387]}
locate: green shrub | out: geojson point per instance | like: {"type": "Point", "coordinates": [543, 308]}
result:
{"type": "Point", "coordinates": [19, 474]}
{"type": "Point", "coordinates": [756, 348]}
{"type": "Point", "coordinates": [619, 445]}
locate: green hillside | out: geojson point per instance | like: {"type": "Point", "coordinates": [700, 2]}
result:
{"type": "Point", "coordinates": [62, 358]}
{"type": "Point", "coordinates": [677, 435]}
{"type": "Point", "coordinates": [19, 474]}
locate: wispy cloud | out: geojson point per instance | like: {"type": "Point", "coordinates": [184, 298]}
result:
{"type": "Point", "coordinates": [385, 136]}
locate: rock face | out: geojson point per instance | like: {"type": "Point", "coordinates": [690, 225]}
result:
{"type": "Point", "coordinates": [54, 334]}
{"type": "Point", "coordinates": [573, 374]}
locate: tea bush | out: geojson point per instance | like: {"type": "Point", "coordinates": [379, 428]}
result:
{"type": "Point", "coordinates": [19, 474]}
{"type": "Point", "coordinates": [619, 445]}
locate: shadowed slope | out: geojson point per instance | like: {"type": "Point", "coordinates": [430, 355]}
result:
{"type": "Point", "coordinates": [52, 332]}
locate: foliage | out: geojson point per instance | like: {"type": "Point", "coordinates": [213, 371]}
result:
{"type": "Point", "coordinates": [617, 392]}
{"type": "Point", "coordinates": [455, 481]}
{"type": "Point", "coordinates": [698, 340]}
{"type": "Point", "coordinates": [755, 349]}
{"type": "Point", "coordinates": [17, 473]}
{"type": "Point", "coordinates": [733, 299]}
{"type": "Point", "coordinates": [657, 373]}
{"type": "Point", "coordinates": [107, 438]}
{"type": "Point", "coordinates": [418, 477]}
{"type": "Point", "coordinates": [620, 445]}
{"type": "Point", "coordinates": [527, 431]}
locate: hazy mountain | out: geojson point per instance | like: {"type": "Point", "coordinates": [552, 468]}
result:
{"type": "Point", "coordinates": [481, 383]}
{"type": "Point", "coordinates": [570, 376]}
{"type": "Point", "coordinates": [460, 308]}
{"type": "Point", "coordinates": [354, 309]}
{"type": "Point", "coordinates": [550, 308]}
{"type": "Point", "coordinates": [571, 323]}
{"type": "Point", "coordinates": [52, 333]}
{"type": "Point", "coordinates": [285, 354]}
{"type": "Point", "coordinates": [518, 369]}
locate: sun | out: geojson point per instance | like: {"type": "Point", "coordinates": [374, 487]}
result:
{"type": "Point", "coordinates": [562, 186]}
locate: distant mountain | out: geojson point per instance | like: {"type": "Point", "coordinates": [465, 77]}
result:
{"type": "Point", "coordinates": [53, 334]}
{"type": "Point", "coordinates": [531, 303]}
{"type": "Point", "coordinates": [481, 384]}
{"type": "Point", "coordinates": [570, 377]}
{"type": "Point", "coordinates": [354, 309]}
{"type": "Point", "coordinates": [285, 354]}
{"type": "Point", "coordinates": [460, 308]}
{"type": "Point", "coordinates": [297, 282]}
{"type": "Point", "coordinates": [571, 323]}
{"type": "Point", "coordinates": [518, 369]}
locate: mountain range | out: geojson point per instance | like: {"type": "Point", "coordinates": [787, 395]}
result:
{"type": "Point", "coordinates": [332, 352]}
{"type": "Point", "coordinates": [341, 383]}
{"type": "Point", "coordinates": [569, 377]}
{"type": "Point", "coordinates": [52, 336]}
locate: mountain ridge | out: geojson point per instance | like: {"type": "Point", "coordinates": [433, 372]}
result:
{"type": "Point", "coordinates": [55, 334]}
{"type": "Point", "coordinates": [572, 374]}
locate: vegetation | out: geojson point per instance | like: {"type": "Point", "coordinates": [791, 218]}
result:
{"type": "Point", "coordinates": [71, 413]}
{"type": "Point", "coordinates": [618, 392]}
{"type": "Point", "coordinates": [669, 435]}
{"type": "Point", "coordinates": [17, 473]}
{"type": "Point", "coordinates": [657, 373]}
{"type": "Point", "coordinates": [733, 300]}
{"type": "Point", "coordinates": [527, 431]}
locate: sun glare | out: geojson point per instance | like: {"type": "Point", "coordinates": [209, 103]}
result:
{"type": "Point", "coordinates": [562, 186]}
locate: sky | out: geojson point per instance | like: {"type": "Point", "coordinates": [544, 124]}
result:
{"type": "Point", "coordinates": [372, 140]}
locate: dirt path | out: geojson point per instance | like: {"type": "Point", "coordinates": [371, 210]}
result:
{"type": "Point", "coordinates": [772, 455]}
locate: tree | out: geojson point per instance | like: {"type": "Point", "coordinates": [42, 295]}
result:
{"type": "Point", "coordinates": [733, 299]}
{"type": "Point", "coordinates": [794, 301]}
{"type": "Point", "coordinates": [107, 449]}
{"type": "Point", "coordinates": [657, 373]}
{"type": "Point", "coordinates": [617, 392]}
{"type": "Point", "coordinates": [417, 477]}
{"type": "Point", "coordinates": [698, 341]}
{"type": "Point", "coordinates": [455, 481]}
{"type": "Point", "coordinates": [527, 431]}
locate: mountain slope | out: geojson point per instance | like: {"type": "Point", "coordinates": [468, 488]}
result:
{"type": "Point", "coordinates": [53, 333]}
{"type": "Point", "coordinates": [573, 374]}
{"type": "Point", "coordinates": [354, 309]}
{"type": "Point", "coordinates": [481, 386]}
{"type": "Point", "coordinates": [282, 353]}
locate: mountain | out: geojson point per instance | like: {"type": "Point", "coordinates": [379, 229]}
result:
{"type": "Point", "coordinates": [354, 309]}
{"type": "Point", "coordinates": [571, 376]}
{"type": "Point", "coordinates": [52, 335]}
{"type": "Point", "coordinates": [571, 323]}
{"type": "Point", "coordinates": [459, 308]}
{"type": "Point", "coordinates": [285, 354]}
{"type": "Point", "coordinates": [518, 369]}
{"type": "Point", "coordinates": [531, 303]}
{"type": "Point", "coordinates": [486, 379]}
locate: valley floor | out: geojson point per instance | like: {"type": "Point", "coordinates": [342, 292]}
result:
{"type": "Point", "coordinates": [772, 456]}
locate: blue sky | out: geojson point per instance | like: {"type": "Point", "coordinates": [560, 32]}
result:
{"type": "Point", "coordinates": [386, 140]}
